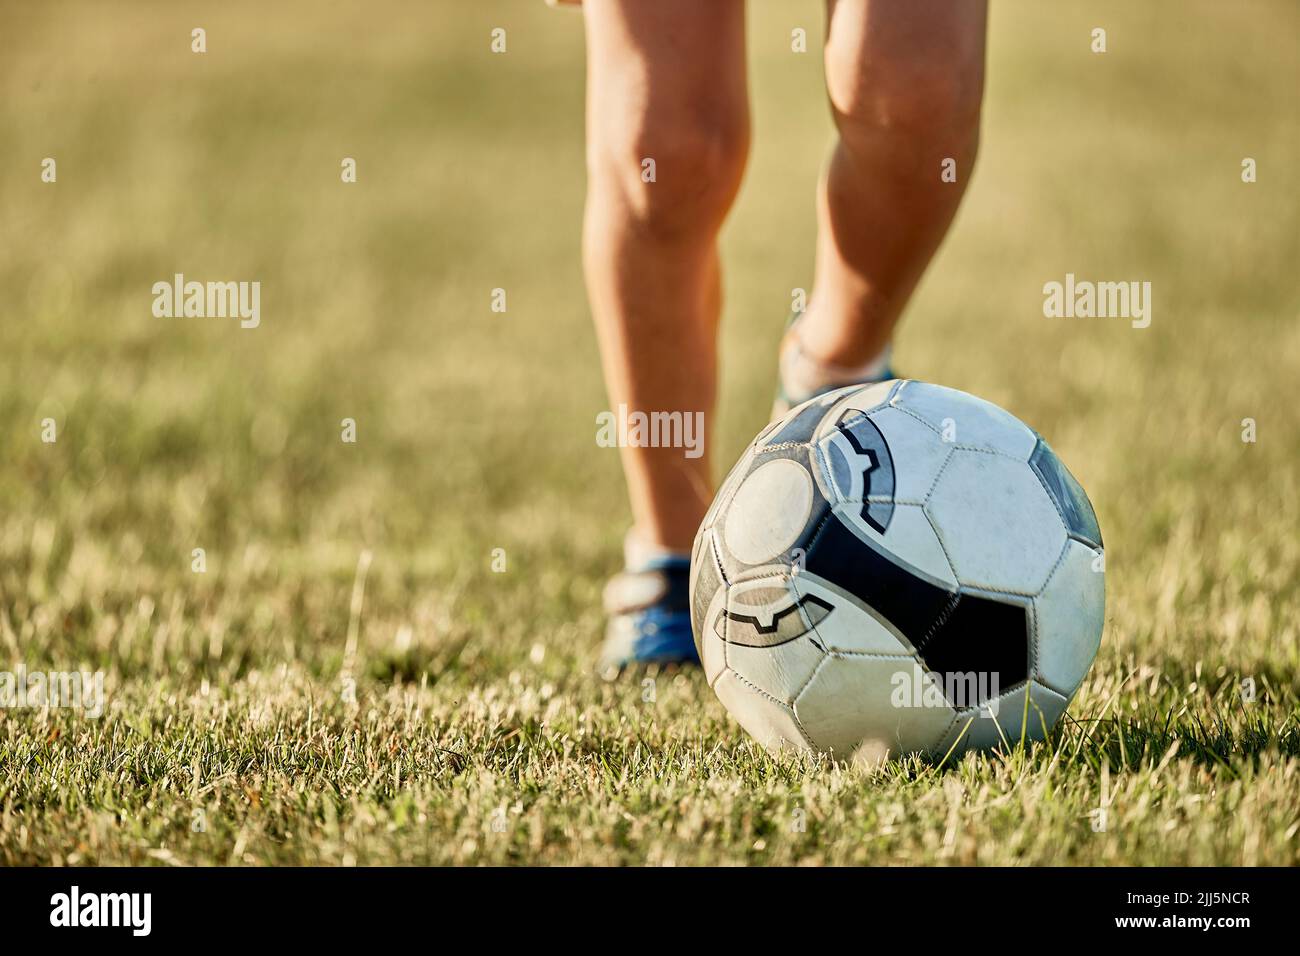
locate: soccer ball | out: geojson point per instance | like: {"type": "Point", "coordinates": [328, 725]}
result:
{"type": "Point", "coordinates": [897, 568]}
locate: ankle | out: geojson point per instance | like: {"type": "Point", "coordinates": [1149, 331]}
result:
{"type": "Point", "coordinates": [804, 371]}
{"type": "Point", "coordinates": [641, 551]}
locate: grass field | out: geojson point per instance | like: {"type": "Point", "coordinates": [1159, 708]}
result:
{"type": "Point", "coordinates": [477, 732]}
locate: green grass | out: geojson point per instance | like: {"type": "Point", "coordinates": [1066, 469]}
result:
{"type": "Point", "coordinates": [478, 733]}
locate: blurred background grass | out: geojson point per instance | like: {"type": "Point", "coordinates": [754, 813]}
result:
{"type": "Point", "coordinates": [476, 429]}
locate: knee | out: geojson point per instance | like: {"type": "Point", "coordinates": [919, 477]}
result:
{"type": "Point", "coordinates": [928, 102]}
{"type": "Point", "coordinates": [674, 177]}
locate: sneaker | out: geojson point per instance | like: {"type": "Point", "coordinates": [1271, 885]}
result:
{"type": "Point", "coordinates": [649, 616]}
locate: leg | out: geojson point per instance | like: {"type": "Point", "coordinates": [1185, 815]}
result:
{"type": "Point", "coordinates": [905, 80]}
{"type": "Point", "coordinates": [665, 81]}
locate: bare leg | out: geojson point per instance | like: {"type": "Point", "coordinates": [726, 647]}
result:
{"type": "Point", "coordinates": [905, 80]}
{"type": "Point", "coordinates": [665, 82]}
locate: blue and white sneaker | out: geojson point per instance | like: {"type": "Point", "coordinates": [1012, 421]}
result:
{"type": "Point", "coordinates": [649, 615]}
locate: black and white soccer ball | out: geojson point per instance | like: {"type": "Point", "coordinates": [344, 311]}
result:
{"type": "Point", "coordinates": [897, 568]}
